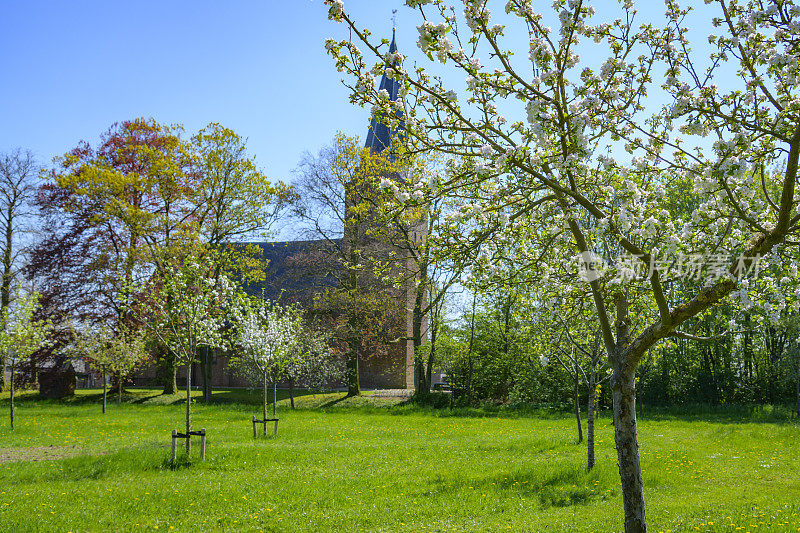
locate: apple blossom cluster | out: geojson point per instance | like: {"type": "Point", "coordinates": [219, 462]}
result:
{"type": "Point", "coordinates": [267, 339]}
{"type": "Point", "coordinates": [185, 308]}
{"type": "Point", "coordinates": [589, 160]}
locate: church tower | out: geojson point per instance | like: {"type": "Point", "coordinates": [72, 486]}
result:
{"type": "Point", "coordinates": [398, 369]}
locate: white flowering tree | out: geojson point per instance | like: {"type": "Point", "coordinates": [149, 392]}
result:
{"type": "Point", "coordinates": [114, 352]}
{"type": "Point", "coordinates": [21, 335]}
{"type": "Point", "coordinates": [316, 366]}
{"type": "Point", "coordinates": [657, 179]}
{"type": "Point", "coordinates": [185, 308]}
{"type": "Point", "coordinates": [267, 341]}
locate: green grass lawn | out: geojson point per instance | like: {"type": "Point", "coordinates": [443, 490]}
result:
{"type": "Point", "coordinates": [365, 464]}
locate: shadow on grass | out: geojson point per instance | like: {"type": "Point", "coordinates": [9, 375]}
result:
{"type": "Point", "coordinates": [563, 486]}
{"type": "Point", "coordinates": [435, 404]}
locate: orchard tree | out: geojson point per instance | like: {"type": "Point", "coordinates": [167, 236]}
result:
{"type": "Point", "coordinates": [316, 365]}
{"type": "Point", "coordinates": [114, 352]}
{"type": "Point", "coordinates": [184, 306]}
{"type": "Point", "coordinates": [596, 149]}
{"type": "Point", "coordinates": [269, 341]}
{"type": "Point", "coordinates": [576, 344]}
{"type": "Point", "coordinates": [21, 335]}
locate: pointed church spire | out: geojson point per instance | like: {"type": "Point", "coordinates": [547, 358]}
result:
{"type": "Point", "coordinates": [379, 136]}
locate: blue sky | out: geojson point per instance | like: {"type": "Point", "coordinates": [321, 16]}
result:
{"type": "Point", "coordinates": [71, 69]}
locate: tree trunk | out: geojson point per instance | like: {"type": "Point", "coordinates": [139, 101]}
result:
{"type": "Point", "coordinates": [188, 409]}
{"type": "Point", "coordinates": [353, 383]}
{"type": "Point", "coordinates": [170, 369]}
{"type": "Point", "coordinates": [431, 359]}
{"type": "Point", "coordinates": [105, 390]}
{"type": "Point", "coordinates": [623, 387]}
{"type": "Point", "coordinates": [274, 398]}
{"type": "Point", "coordinates": [630, 471]}
{"type": "Point", "coordinates": [797, 387]}
{"type": "Point", "coordinates": [416, 333]}
{"type": "Point", "coordinates": [11, 388]}
{"type": "Point", "coordinates": [5, 288]}
{"type": "Point", "coordinates": [206, 371]}
{"type": "Point", "coordinates": [265, 402]}
{"type": "Point", "coordinates": [577, 405]}
{"type": "Point", "coordinates": [590, 422]}
{"type": "Point", "coordinates": [119, 389]}
{"type": "Point", "coordinates": [291, 391]}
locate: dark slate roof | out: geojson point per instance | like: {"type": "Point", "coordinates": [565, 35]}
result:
{"type": "Point", "coordinates": [296, 271]}
{"type": "Point", "coordinates": [379, 136]}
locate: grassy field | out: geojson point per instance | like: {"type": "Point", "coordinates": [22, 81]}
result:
{"type": "Point", "coordinates": [370, 465]}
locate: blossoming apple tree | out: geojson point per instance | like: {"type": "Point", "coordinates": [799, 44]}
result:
{"type": "Point", "coordinates": [648, 176]}
{"type": "Point", "coordinates": [268, 341]}
{"type": "Point", "coordinates": [184, 305]}
{"type": "Point", "coordinates": [21, 334]}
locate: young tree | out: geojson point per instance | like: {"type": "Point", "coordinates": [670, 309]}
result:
{"type": "Point", "coordinates": [576, 344]}
{"type": "Point", "coordinates": [270, 339]}
{"type": "Point", "coordinates": [564, 159]}
{"type": "Point", "coordinates": [316, 366]}
{"type": "Point", "coordinates": [17, 190]}
{"type": "Point", "coordinates": [21, 335]}
{"type": "Point", "coordinates": [184, 306]}
{"type": "Point", "coordinates": [114, 352]}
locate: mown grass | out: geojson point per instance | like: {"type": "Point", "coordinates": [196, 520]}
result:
{"type": "Point", "coordinates": [366, 464]}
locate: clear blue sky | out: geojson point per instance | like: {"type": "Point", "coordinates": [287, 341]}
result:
{"type": "Point", "coordinates": [71, 69]}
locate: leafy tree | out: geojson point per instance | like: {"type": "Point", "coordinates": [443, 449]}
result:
{"type": "Point", "coordinates": [233, 200]}
{"type": "Point", "coordinates": [270, 342]}
{"type": "Point", "coordinates": [564, 159]}
{"type": "Point", "coordinates": [114, 352]}
{"type": "Point", "coordinates": [336, 192]}
{"type": "Point", "coordinates": [17, 190]}
{"type": "Point", "coordinates": [21, 334]}
{"type": "Point", "coordinates": [317, 365]}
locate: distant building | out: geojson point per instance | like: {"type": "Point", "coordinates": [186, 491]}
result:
{"type": "Point", "coordinates": [298, 270]}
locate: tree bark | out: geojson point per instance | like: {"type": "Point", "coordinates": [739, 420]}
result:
{"type": "Point", "coordinates": [291, 392]}
{"type": "Point", "coordinates": [11, 388]}
{"type": "Point", "coordinates": [577, 405]}
{"type": "Point", "coordinates": [353, 383]}
{"type": "Point", "coordinates": [797, 387]}
{"type": "Point", "coordinates": [5, 288]}
{"type": "Point", "coordinates": [265, 402]}
{"type": "Point", "coordinates": [623, 387]}
{"type": "Point", "coordinates": [119, 389]}
{"type": "Point", "coordinates": [590, 423]}
{"type": "Point", "coordinates": [416, 334]}
{"type": "Point", "coordinates": [188, 409]}
{"type": "Point", "coordinates": [105, 390]}
{"type": "Point", "coordinates": [625, 436]}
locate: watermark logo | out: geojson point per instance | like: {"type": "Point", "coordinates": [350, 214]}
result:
{"type": "Point", "coordinates": [687, 267]}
